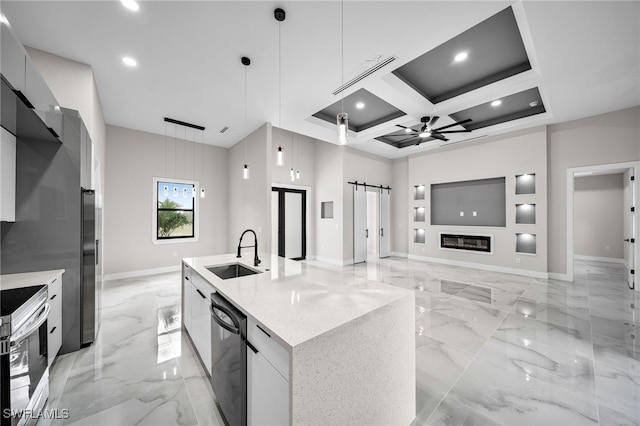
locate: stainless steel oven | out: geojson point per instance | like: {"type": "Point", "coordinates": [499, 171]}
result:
{"type": "Point", "coordinates": [24, 370]}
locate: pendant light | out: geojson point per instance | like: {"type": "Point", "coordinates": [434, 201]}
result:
{"type": "Point", "coordinates": [245, 170]}
{"type": "Point", "coordinates": [342, 118]}
{"type": "Point", "coordinates": [280, 157]}
{"type": "Point", "coordinates": [297, 153]}
{"type": "Point", "coordinates": [280, 16]}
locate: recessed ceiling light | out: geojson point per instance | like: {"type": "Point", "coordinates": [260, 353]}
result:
{"type": "Point", "coordinates": [360, 105]}
{"type": "Point", "coordinates": [533, 104]}
{"type": "Point", "coordinates": [496, 103]}
{"type": "Point", "coordinates": [130, 4]}
{"type": "Point", "coordinates": [461, 56]}
{"type": "Point", "coordinates": [129, 61]}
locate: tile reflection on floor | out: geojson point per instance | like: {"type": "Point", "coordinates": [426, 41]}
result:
{"type": "Point", "coordinates": [141, 369]}
{"type": "Point", "coordinates": [494, 348]}
{"type": "Point", "coordinates": [491, 348]}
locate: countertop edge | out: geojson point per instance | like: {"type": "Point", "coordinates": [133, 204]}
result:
{"type": "Point", "coordinates": [28, 279]}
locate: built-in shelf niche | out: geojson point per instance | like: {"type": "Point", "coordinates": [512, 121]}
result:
{"type": "Point", "coordinates": [418, 214]}
{"type": "Point", "coordinates": [418, 236]}
{"type": "Point", "coordinates": [419, 192]}
{"type": "Point", "coordinates": [526, 184]}
{"type": "Point", "coordinates": [326, 209]}
{"type": "Point", "coordinates": [525, 214]}
{"type": "Point", "coordinates": [526, 243]}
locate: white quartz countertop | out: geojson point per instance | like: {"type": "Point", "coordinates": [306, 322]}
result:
{"type": "Point", "coordinates": [28, 279]}
{"type": "Point", "coordinates": [294, 300]}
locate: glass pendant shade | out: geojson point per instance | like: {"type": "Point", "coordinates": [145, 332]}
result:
{"type": "Point", "coordinates": [245, 172]}
{"type": "Point", "coordinates": [292, 174]}
{"type": "Point", "coordinates": [343, 125]}
{"type": "Point", "coordinates": [297, 174]}
{"type": "Point", "coordinates": [280, 157]}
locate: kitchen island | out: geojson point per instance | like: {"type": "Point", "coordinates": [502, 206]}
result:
{"type": "Point", "coordinates": [342, 348]}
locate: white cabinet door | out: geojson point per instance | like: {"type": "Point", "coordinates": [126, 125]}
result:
{"type": "Point", "coordinates": [187, 309]}
{"type": "Point", "coordinates": [7, 176]}
{"type": "Point", "coordinates": [201, 325]}
{"type": "Point", "coordinates": [267, 379]}
{"type": "Point", "coordinates": [267, 393]}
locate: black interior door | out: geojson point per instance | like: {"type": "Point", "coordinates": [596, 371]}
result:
{"type": "Point", "coordinates": [292, 213]}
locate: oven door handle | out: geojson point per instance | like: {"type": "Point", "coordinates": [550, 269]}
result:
{"type": "Point", "coordinates": [41, 318]}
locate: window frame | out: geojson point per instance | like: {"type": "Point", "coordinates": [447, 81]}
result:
{"type": "Point", "coordinates": [154, 213]}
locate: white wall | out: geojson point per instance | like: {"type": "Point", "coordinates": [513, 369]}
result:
{"type": "Point", "coordinates": [250, 200]}
{"type": "Point", "coordinates": [400, 207]}
{"type": "Point", "coordinates": [329, 187]}
{"type": "Point", "coordinates": [134, 158]}
{"type": "Point", "coordinates": [507, 155]}
{"type": "Point", "coordinates": [598, 216]}
{"type": "Point", "coordinates": [604, 139]}
{"type": "Point", "coordinates": [362, 167]}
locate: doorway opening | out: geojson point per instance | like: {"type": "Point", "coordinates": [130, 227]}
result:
{"type": "Point", "coordinates": [289, 223]}
{"type": "Point", "coordinates": [371, 223]}
{"type": "Point", "coordinates": [601, 218]}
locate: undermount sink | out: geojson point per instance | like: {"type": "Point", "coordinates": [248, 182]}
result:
{"type": "Point", "coordinates": [233, 270]}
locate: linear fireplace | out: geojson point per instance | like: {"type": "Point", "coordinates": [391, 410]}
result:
{"type": "Point", "coordinates": [474, 242]}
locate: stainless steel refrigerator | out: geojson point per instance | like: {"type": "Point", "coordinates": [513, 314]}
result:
{"type": "Point", "coordinates": [88, 291]}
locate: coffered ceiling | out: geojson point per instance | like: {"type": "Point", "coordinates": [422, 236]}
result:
{"type": "Point", "coordinates": [547, 62]}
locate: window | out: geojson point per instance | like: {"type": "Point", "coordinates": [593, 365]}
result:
{"type": "Point", "coordinates": [175, 217]}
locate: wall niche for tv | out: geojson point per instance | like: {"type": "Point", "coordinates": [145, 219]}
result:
{"type": "Point", "coordinates": [479, 202]}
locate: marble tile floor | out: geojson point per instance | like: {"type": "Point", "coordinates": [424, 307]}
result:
{"type": "Point", "coordinates": [491, 348]}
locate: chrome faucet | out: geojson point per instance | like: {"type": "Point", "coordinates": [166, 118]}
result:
{"type": "Point", "coordinates": [256, 260]}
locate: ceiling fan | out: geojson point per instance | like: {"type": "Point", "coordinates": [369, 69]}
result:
{"type": "Point", "coordinates": [427, 131]}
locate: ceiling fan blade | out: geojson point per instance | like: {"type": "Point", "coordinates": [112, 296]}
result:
{"type": "Point", "coordinates": [453, 125]}
{"type": "Point", "coordinates": [455, 131]}
{"type": "Point", "coordinates": [439, 136]}
{"type": "Point", "coordinates": [407, 139]}
{"type": "Point", "coordinates": [395, 135]}
{"type": "Point", "coordinates": [433, 121]}
{"type": "Point", "coordinates": [406, 128]}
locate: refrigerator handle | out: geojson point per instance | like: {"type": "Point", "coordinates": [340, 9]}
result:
{"type": "Point", "coordinates": [97, 250]}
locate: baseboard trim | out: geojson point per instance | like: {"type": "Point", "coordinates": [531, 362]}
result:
{"type": "Point", "coordinates": [332, 261]}
{"type": "Point", "coordinates": [140, 273]}
{"type": "Point", "coordinates": [481, 266]}
{"type": "Point", "coordinates": [599, 259]}
{"type": "Point", "coordinates": [398, 254]}
{"type": "Point", "coordinates": [558, 276]}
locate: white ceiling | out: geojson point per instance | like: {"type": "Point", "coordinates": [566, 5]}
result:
{"type": "Point", "coordinates": [585, 59]}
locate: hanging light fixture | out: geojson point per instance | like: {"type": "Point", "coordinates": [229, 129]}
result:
{"type": "Point", "coordinates": [342, 118]}
{"type": "Point", "coordinates": [245, 170]}
{"type": "Point", "coordinates": [280, 157]}
{"type": "Point", "coordinates": [280, 16]}
{"type": "Point", "coordinates": [297, 152]}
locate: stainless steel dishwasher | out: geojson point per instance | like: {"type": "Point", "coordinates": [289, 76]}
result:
{"type": "Point", "coordinates": [229, 359]}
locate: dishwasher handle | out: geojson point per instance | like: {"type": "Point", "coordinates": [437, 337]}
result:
{"type": "Point", "coordinates": [221, 322]}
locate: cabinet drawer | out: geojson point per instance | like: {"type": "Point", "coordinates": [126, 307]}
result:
{"type": "Point", "coordinates": [272, 350]}
{"type": "Point", "coordinates": [54, 340]}
{"type": "Point", "coordinates": [202, 285]}
{"type": "Point", "coordinates": [55, 300]}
